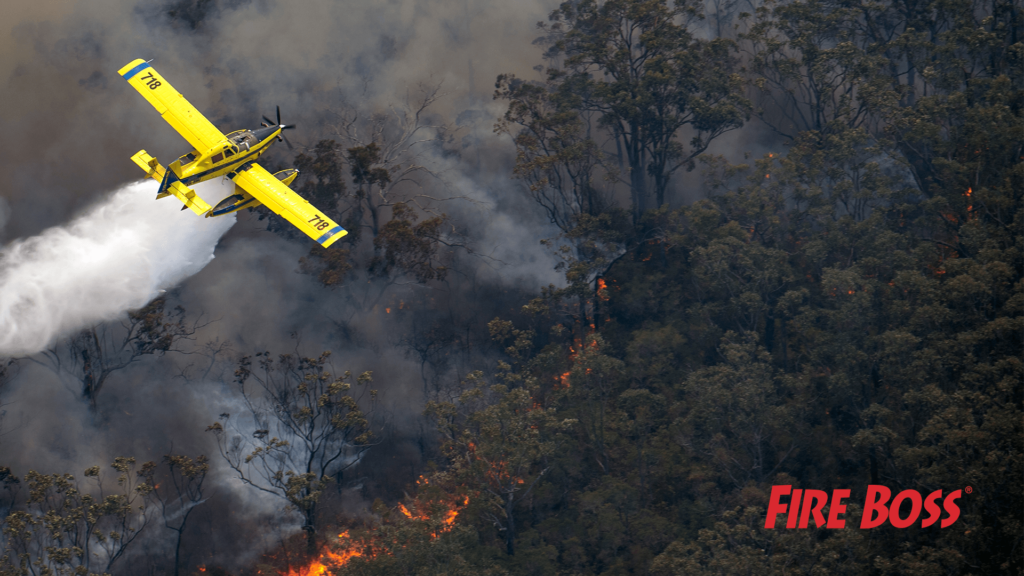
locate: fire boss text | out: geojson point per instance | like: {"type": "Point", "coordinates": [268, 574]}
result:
{"type": "Point", "coordinates": [812, 502]}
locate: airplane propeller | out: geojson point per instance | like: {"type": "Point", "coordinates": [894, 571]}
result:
{"type": "Point", "coordinates": [268, 122]}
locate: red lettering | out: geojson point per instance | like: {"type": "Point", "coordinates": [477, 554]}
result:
{"type": "Point", "coordinates": [875, 511]}
{"type": "Point", "coordinates": [877, 508]}
{"type": "Point", "coordinates": [915, 509]}
{"type": "Point", "coordinates": [836, 508]}
{"type": "Point", "coordinates": [932, 508]}
{"type": "Point", "coordinates": [952, 508]}
{"type": "Point", "coordinates": [814, 502]}
{"type": "Point", "coordinates": [794, 509]}
{"type": "Point", "coordinates": [775, 505]}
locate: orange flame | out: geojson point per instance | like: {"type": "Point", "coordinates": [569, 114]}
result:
{"type": "Point", "coordinates": [328, 559]}
{"type": "Point", "coordinates": [347, 548]}
{"type": "Point", "coordinates": [602, 290]}
{"type": "Point", "coordinates": [421, 514]}
{"type": "Point", "coordinates": [564, 379]}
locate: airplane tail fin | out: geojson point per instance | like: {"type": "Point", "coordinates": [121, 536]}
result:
{"type": "Point", "coordinates": [169, 183]}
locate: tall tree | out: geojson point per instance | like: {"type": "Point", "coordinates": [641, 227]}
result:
{"type": "Point", "coordinates": [555, 155]}
{"type": "Point", "coordinates": [306, 429]}
{"type": "Point", "coordinates": [94, 354]}
{"type": "Point", "coordinates": [182, 492]}
{"type": "Point", "coordinates": [393, 161]}
{"type": "Point", "coordinates": [637, 64]}
{"type": "Point", "coordinates": [500, 443]}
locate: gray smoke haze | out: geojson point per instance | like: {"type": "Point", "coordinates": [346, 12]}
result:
{"type": "Point", "coordinates": [71, 121]}
{"type": "Point", "coordinates": [70, 126]}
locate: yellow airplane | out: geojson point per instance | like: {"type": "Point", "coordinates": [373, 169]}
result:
{"type": "Point", "coordinates": [215, 154]}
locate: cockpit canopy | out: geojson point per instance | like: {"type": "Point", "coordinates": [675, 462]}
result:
{"type": "Point", "coordinates": [244, 139]}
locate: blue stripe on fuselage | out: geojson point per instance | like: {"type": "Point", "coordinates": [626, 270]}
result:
{"type": "Point", "coordinates": [241, 158]}
{"type": "Point", "coordinates": [328, 235]}
{"type": "Point", "coordinates": [232, 208]}
{"type": "Point", "coordinates": [128, 75]}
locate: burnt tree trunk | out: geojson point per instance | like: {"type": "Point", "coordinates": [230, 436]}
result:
{"type": "Point", "coordinates": [510, 532]}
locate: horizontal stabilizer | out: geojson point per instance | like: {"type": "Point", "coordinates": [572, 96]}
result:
{"type": "Point", "coordinates": [188, 197]}
{"type": "Point", "coordinates": [149, 165]}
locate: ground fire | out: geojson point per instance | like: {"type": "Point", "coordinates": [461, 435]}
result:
{"type": "Point", "coordinates": [428, 512]}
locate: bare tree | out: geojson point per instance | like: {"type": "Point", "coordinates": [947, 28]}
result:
{"type": "Point", "coordinates": [390, 153]}
{"type": "Point", "coordinates": [92, 355]}
{"type": "Point", "coordinates": [393, 161]}
{"type": "Point", "coordinates": [179, 493]}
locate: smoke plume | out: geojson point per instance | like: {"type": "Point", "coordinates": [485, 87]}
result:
{"type": "Point", "coordinates": [116, 256]}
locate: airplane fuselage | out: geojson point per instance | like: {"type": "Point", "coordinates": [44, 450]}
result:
{"type": "Point", "coordinates": [240, 147]}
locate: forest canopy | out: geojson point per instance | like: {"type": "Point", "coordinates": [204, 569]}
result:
{"type": "Point", "coordinates": [842, 306]}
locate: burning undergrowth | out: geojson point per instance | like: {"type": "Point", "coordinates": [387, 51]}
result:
{"type": "Point", "coordinates": [392, 537]}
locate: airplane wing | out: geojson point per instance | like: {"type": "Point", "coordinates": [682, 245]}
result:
{"type": "Point", "coordinates": [273, 193]}
{"type": "Point", "coordinates": [177, 111]}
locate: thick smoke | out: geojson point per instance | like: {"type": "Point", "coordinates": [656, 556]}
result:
{"type": "Point", "coordinates": [71, 126]}
{"type": "Point", "coordinates": [115, 257]}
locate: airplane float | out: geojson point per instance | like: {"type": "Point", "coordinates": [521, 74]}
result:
{"type": "Point", "coordinates": [215, 154]}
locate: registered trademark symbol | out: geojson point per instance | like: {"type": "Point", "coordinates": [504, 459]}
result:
{"type": "Point", "coordinates": [968, 489]}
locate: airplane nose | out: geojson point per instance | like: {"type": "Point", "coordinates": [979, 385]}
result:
{"type": "Point", "coordinates": [262, 134]}
{"type": "Point", "coordinates": [269, 127]}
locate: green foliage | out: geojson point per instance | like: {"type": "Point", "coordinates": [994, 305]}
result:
{"type": "Point", "coordinates": [402, 245]}
{"type": "Point", "coordinates": [557, 159]}
{"type": "Point", "coordinates": [63, 529]}
{"type": "Point", "coordinates": [637, 66]}
{"type": "Point", "coordinates": [846, 310]}
{"type": "Point", "coordinates": [330, 266]}
{"type": "Point", "coordinates": [409, 246]}
{"type": "Point", "coordinates": [499, 444]}
{"type": "Point", "coordinates": [849, 312]}
{"type": "Point", "coordinates": [324, 184]}
{"type": "Point", "coordinates": [407, 549]}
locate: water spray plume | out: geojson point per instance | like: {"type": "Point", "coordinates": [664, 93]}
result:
{"type": "Point", "coordinates": [117, 256]}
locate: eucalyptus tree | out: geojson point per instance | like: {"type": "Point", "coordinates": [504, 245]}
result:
{"type": "Point", "coordinates": [306, 429]}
